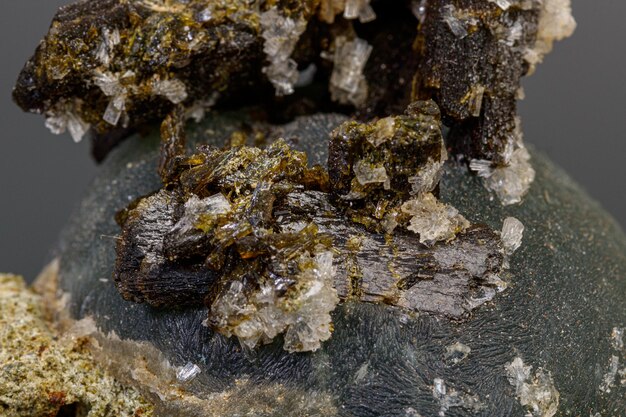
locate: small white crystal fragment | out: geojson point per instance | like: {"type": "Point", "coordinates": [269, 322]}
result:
{"type": "Point", "coordinates": [360, 9]}
{"type": "Point", "coordinates": [384, 130]}
{"type": "Point", "coordinates": [114, 110]}
{"type": "Point", "coordinates": [428, 177]}
{"type": "Point", "coordinates": [109, 83]}
{"type": "Point", "coordinates": [432, 220]}
{"type": "Point", "coordinates": [608, 382]}
{"type": "Point", "coordinates": [456, 25]}
{"type": "Point", "coordinates": [367, 173]}
{"type": "Point", "coordinates": [205, 15]}
{"type": "Point", "coordinates": [536, 393]}
{"type": "Point", "coordinates": [503, 4]}
{"type": "Point", "coordinates": [63, 117]}
{"type": "Point", "coordinates": [367, 13]}
{"type": "Point", "coordinates": [449, 398]}
{"type": "Point", "coordinates": [511, 235]}
{"type": "Point", "coordinates": [351, 10]}
{"type": "Point", "coordinates": [110, 38]}
{"type": "Point", "coordinates": [457, 353]}
{"type": "Point", "coordinates": [510, 183]}
{"type": "Point", "coordinates": [555, 23]}
{"type": "Point", "coordinates": [173, 89]}
{"type": "Point", "coordinates": [617, 338]}
{"type": "Point", "coordinates": [306, 76]}
{"type": "Point", "coordinates": [487, 294]}
{"type": "Point", "coordinates": [475, 100]}
{"type": "Point", "coordinates": [199, 108]}
{"type": "Point", "coordinates": [281, 35]}
{"type": "Point", "coordinates": [188, 372]}
{"type": "Point", "coordinates": [197, 208]}
{"type": "Point", "coordinates": [347, 82]}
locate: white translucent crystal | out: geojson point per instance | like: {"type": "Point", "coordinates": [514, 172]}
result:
{"type": "Point", "coordinates": [281, 35]}
{"type": "Point", "coordinates": [109, 83]}
{"type": "Point", "coordinates": [535, 392]}
{"type": "Point", "coordinates": [351, 10]}
{"type": "Point", "coordinates": [457, 352]}
{"type": "Point", "coordinates": [486, 295]}
{"type": "Point", "coordinates": [456, 25]}
{"type": "Point", "coordinates": [306, 76]}
{"type": "Point", "coordinates": [428, 177]}
{"type": "Point", "coordinates": [173, 89]}
{"type": "Point", "coordinates": [384, 129]}
{"type": "Point", "coordinates": [303, 316]}
{"type": "Point", "coordinates": [367, 173]}
{"type": "Point", "coordinates": [617, 338]}
{"type": "Point", "coordinates": [205, 15]}
{"type": "Point", "coordinates": [63, 117]}
{"type": "Point", "coordinates": [198, 109]}
{"type": "Point", "coordinates": [347, 82]}
{"type": "Point", "coordinates": [188, 372]}
{"type": "Point", "coordinates": [449, 398]}
{"type": "Point", "coordinates": [503, 4]}
{"type": "Point", "coordinates": [360, 9]}
{"type": "Point", "coordinates": [510, 183]}
{"type": "Point", "coordinates": [367, 13]}
{"type": "Point", "coordinates": [555, 23]}
{"type": "Point", "coordinates": [110, 38]}
{"type": "Point", "coordinates": [114, 110]}
{"type": "Point", "coordinates": [511, 235]}
{"type": "Point", "coordinates": [196, 208]}
{"type": "Point", "coordinates": [433, 220]}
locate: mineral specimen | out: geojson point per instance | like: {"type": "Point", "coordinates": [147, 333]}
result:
{"type": "Point", "coordinates": [252, 233]}
{"type": "Point", "coordinates": [134, 60]}
{"type": "Point", "coordinates": [332, 225]}
{"type": "Point", "coordinates": [558, 312]}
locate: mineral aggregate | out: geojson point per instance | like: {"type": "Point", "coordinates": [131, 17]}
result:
{"type": "Point", "coordinates": [112, 66]}
{"type": "Point", "coordinates": [252, 234]}
{"type": "Point", "coordinates": [44, 372]}
{"type": "Point", "coordinates": [564, 292]}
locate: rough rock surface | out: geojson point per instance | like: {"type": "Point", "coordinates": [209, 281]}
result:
{"type": "Point", "coordinates": [45, 372]}
{"type": "Point", "coordinates": [565, 299]}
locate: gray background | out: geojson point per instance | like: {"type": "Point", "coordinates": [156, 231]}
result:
{"type": "Point", "coordinates": [574, 110]}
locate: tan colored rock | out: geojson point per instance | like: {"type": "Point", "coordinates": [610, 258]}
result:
{"type": "Point", "coordinates": [43, 370]}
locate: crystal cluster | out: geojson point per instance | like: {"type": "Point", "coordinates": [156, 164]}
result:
{"type": "Point", "coordinates": [535, 392]}
{"type": "Point", "coordinates": [459, 21]}
{"type": "Point", "coordinates": [216, 217]}
{"type": "Point", "coordinates": [512, 179]}
{"type": "Point", "coordinates": [281, 35]}
{"type": "Point", "coordinates": [352, 9]}
{"type": "Point", "coordinates": [387, 170]}
{"type": "Point", "coordinates": [555, 23]}
{"type": "Point", "coordinates": [451, 398]}
{"type": "Point", "coordinates": [63, 117]}
{"type": "Point", "coordinates": [300, 311]}
{"type": "Point", "coordinates": [347, 82]}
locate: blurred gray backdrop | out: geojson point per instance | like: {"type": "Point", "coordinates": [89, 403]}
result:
{"type": "Point", "coordinates": [575, 109]}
